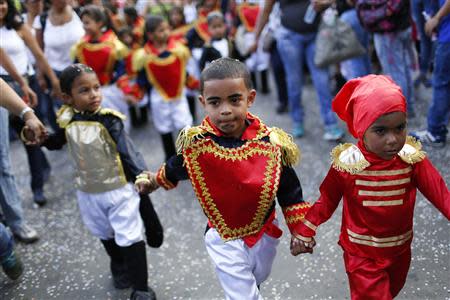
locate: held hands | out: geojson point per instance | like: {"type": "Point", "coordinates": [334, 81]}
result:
{"type": "Point", "coordinates": [34, 132]}
{"type": "Point", "coordinates": [146, 183]}
{"type": "Point", "coordinates": [299, 246]}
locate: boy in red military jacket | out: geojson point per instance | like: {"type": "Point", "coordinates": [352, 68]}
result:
{"type": "Point", "coordinates": [378, 179]}
{"type": "Point", "coordinates": [237, 166]}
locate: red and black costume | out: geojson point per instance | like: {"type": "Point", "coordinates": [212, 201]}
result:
{"type": "Point", "coordinates": [379, 195]}
{"type": "Point", "coordinates": [236, 180]}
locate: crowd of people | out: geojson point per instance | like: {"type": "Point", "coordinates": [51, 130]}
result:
{"type": "Point", "coordinates": [92, 71]}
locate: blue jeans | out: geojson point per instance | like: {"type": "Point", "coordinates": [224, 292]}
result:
{"type": "Point", "coordinates": [9, 197]}
{"type": "Point", "coordinates": [294, 49]}
{"type": "Point", "coordinates": [396, 55]}
{"type": "Point", "coordinates": [439, 111]}
{"type": "Point", "coordinates": [6, 243]}
{"type": "Point", "coordinates": [358, 66]}
{"type": "Point", "coordinates": [426, 45]}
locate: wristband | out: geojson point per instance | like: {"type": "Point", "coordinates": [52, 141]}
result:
{"type": "Point", "coordinates": [24, 111]}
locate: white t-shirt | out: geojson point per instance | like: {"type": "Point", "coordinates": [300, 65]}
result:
{"type": "Point", "coordinates": [58, 40]}
{"type": "Point", "coordinates": [16, 49]}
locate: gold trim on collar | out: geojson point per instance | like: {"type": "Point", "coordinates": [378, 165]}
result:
{"type": "Point", "coordinates": [383, 183]}
{"type": "Point", "coordinates": [382, 203]}
{"type": "Point", "coordinates": [381, 193]}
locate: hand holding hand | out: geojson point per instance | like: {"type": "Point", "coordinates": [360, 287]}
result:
{"type": "Point", "coordinates": [299, 246]}
{"type": "Point", "coordinates": [431, 25]}
{"type": "Point", "coordinates": [146, 183]}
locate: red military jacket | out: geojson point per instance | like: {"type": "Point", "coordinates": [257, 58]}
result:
{"type": "Point", "coordinates": [379, 198]}
{"type": "Point", "coordinates": [236, 180]}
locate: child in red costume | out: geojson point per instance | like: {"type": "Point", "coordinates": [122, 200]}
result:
{"type": "Point", "coordinates": [378, 179]}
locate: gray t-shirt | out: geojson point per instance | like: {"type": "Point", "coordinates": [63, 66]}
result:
{"type": "Point", "coordinates": [292, 13]}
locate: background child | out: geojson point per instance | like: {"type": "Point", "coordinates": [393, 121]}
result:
{"type": "Point", "coordinates": [105, 162]}
{"type": "Point", "coordinates": [161, 64]}
{"type": "Point", "coordinates": [237, 166]}
{"type": "Point", "coordinates": [378, 179]}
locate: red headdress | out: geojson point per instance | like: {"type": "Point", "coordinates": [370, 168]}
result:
{"type": "Point", "coordinates": [361, 101]}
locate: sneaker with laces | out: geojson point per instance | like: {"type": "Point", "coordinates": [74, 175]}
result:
{"type": "Point", "coordinates": [333, 133]}
{"type": "Point", "coordinates": [12, 266]}
{"type": "Point", "coordinates": [25, 234]}
{"type": "Point", "coordinates": [298, 130]}
{"type": "Point", "coordinates": [428, 138]}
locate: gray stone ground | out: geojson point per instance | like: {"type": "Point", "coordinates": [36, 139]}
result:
{"type": "Point", "coordinates": [68, 263]}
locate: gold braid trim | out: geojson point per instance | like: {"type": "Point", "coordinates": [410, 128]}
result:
{"type": "Point", "coordinates": [354, 163]}
{"type": "Point", "coordinates": [187, 136]}
{"type": "Point", "coordinates": [411, 152]}
{"type": "Point", "coordinates": [109, 111]}
{"type": "Point", "coordinates": [290, 153]}
{"type": "Point", "coordinates": [64, 116]}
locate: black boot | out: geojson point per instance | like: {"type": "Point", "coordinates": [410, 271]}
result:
{"type": "Point", "coordinates": [192, 108]}
{"type": "Point", "coordinates": [133, 116]}
{"type": "Point", "coordinates": [119, 270]}
{"type": "Point", "coordinates": [168, 144]}
{"type": "Point", "coordinates": [144, 114]}
{"type": "Point", "coordinates": [264, 82]}
{"type": "Point", "coordinates": [136, 259]}
{"type": "Point", "coordinates": [153, 228]}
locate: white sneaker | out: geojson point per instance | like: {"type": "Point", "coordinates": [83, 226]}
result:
{"type": "Point", "coordinates": [25, 234]}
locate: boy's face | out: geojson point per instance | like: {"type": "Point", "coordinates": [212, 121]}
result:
{"type": "Point", "coordinates": [86, 94]}
{"type": "Point", "coordinates": [226, 102]}
{"type": "Point", "coordinates": [161, 34]}
{"type": "Point", "coordinates": [387, 135]}
{"type": "Point", "coordinates": [217, 28]}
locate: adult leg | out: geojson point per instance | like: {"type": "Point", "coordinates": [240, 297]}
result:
{"type": "Point", "coordinates": [291, 48]}
{"type": "Point", "coordinates": [280, 79]}
{"type": "Point", "coordinates": [394, 53]}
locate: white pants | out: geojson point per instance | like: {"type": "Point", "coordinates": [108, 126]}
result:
{"type": "Point", "coordinates": [114, 98]}
{"type": "Point", "coordinates": [113, 214]}
{"type": "Point", "coordinates": [169, 116]}
{"type": "Point", "coordinates": [241, 269]}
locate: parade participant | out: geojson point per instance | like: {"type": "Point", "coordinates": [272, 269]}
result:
{"type": "Point", "coordinates": [199, 34]}
{"type": "Point", "coordinates": [161, 64]}
{"type": "Point", "coordinates": [378, 179]}
{"type": "Point", "coordinates": [101, 50]}
{"type": "Point", "coordinates": [105, 162]}
{"type": "Point", "coordinates": [178, 25]}
{"type": "Point", "coordinates": [237, 166]}
{"type": "Point", "coordinates": [219, 45]}
{"type": "Point", "coordinates": [137, 23]}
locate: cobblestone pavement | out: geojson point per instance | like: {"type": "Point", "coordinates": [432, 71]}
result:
{"type": "Point", "coordinates": [68, 263]}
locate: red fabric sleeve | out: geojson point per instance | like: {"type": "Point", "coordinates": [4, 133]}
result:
{"type": "Point", "coordinates": [331, 191]}
{"type": "Point", "coordinates": [162, 180]}
{"type": "Point", "coordinates": [431, 184]}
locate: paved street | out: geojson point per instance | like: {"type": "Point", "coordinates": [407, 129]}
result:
{"type": "Point", "coordinates": [68, 263]}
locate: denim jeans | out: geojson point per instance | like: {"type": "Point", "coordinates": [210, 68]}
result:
{"type": "Point", "coordinates": [6, 243]}
{"type": "Point", "coordinates": [396, 54]}
{"type": "Point", "coordinates": [10, 201]}
{"type": "Point", "coordinates": [295, 49]}
{"type": "Point", "coordinates": [357, 66]}
{"type": "Point", "coordinates": [439, 111]}
{"type": "Point", "coordinates": [426, 45]}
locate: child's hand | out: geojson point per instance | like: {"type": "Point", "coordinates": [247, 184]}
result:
{"type": "Point", "coordinates": [146, 183]}
{"type": "Point", "coordinates": [298, 246]}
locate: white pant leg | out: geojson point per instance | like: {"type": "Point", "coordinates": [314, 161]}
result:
{"type": "Point", "coordinates": [113, 214]}
{"type": "Point", "coordinates": [241, 269]}
{"type": "Point", "coordinates": [114, 98]}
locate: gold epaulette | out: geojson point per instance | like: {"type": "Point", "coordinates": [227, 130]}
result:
{"type": "Point", "coordinates": [109, 111]}
{"type": "Point", "coordinates": [290, 153]}
{"type": "Point", "coordinates": [138, 60]}
{"type": "Point", "coordinates": [64, 115]}
{"type": "Point", "coordinates": [411, 152]}
{"type": "Point", "coordinates": [348, 158]}
{"type": "Point", "coordinates": [187, 136]}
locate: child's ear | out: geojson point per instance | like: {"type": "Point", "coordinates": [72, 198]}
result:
{"type": "Point", "coordinates": [202, 100]}
{"type": "Point", "coordinates": [251, 97]}
{"type": "Point", "coordinates": [67, 99]}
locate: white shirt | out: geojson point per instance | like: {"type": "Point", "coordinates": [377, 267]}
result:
{"type": "Point", "coordinates": [14, 46]}
{"type": "Point", "coordinates": [58, 40]}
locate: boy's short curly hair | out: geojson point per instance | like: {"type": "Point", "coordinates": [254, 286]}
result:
{"type": "Point", "coordinates": [224, 68]}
